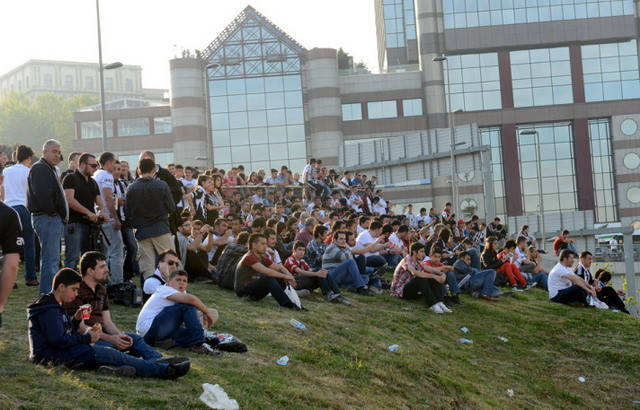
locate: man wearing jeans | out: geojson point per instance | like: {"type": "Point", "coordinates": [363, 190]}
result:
{"type": "Point", "coordinates": [15, 196]}
{"type": "Point", "coordinates": [565, 286]}
{"type": "Point", "coordinates": [82, 194]}
{"type": "Point", "coordinates": [49, 210]}
{"type": "Point", "coordinates": [114, 249]}
{"type": "Point", "coordinates": [340, 265]}
{"type": "Point", "coordinates": [479, 282]}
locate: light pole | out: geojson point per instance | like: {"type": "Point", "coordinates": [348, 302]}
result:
{"type": "Point", "coordinates": [208, 113]}
{"type": "Point", "coordinates": [101, 69]}
{"type": "Point", "coordinates": [454, 168]}
{"type": "Point", "coordinates": [539, 165]}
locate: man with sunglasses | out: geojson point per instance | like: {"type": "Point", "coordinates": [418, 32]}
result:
{"type": "Point", "coordinates": [168, 261]}
{"type": "Point", "coordinates": [82, 194]}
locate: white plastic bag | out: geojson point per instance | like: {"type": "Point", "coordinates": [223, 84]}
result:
{"type": "Point", "coordinates": [215, 397]}
{"type": "Point", "coordinates": [293, 295]}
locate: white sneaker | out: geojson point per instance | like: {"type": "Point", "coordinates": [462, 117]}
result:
{"type": "Point", "coordinates": [436, 308]}
{"type": "Point", "coordinates": [444, 308]}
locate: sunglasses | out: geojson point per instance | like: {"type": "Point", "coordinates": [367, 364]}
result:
{"type": "Point", "coordinates": [172, 263]}
{"type": "Point", "coordinates": [93, 165]}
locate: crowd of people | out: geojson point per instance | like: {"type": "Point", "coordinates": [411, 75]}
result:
{"type": "Point", "coordinates": [285, 235]}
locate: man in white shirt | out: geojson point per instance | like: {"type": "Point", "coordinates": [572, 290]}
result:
{"type": "Point", "coordinates": [565, 286]}
{"type": "Point", "coordinates": [373, 257]}
{"type": "Point", "coordinates": [114, 249]}
{"type": "Point", "coordinates": [15, 196]}
{"type": "Point", "coordinates": [413, 218]}
{"type": "Point", "coordinates": [189, 185]}
{"type": "Point", "coordinates": [530, 270]}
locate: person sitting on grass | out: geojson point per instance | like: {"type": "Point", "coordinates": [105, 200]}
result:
{"type": "Point", "coordinates": [531, 271]}
{"type": "Point", "coordinates": [435, 257]}
{"type": "Point", "coordinates": [161, 318]}
{"type": "Point", "coordinates": [309, 280]}
{"type": "Point", "coordinates": [58, 339]}
{"type": "Point", "coordinates": [413, 279]}
{"type": "Point", "coordinates": [564, 242]}
{"type": "Point", "coordinates": [479, 283]}
{"type": "Point", "coordinates": [255, 278]}
{"type": "Point", "coordinates": [509, 267]}
{"type": "Point", "coordinates": [607, 293]}
{"type": "Point", "coordinates": [167, 262]}
{"type": "Point", "coordinates": [565, 286]}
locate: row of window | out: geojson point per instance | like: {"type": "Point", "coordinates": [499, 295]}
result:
{"type": "Point", "coordinates": [47, 82]}
{"type": "Point", "coordinates": [399, 22]}
{"type": "Point", "coordinates": [476, 13]}
{"type": "Point", "coordinates": [543, 76]}
{"type": "Point", "coordinates": [382, 109]}
{"type": "Point", "coordinates": [126, 127]}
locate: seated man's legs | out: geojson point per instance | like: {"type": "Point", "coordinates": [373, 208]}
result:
{"type": "Point", "coordinates": [483, 283]}
{"type": "Point", "coordinates": [309, 283]}
{"type": "Point", "coordinates": [572, 294]}
{"type": "Point", "coordinates": [347, 274]}
{"type": "Point", "coordinates": [453, 284]}
{"type": "Point", "coordinates": [375, 261]}
{"type": "Point", "coordinates": [540, 279]}
{"type": "Point", "coordinates": [392, 260]}
{"type": "Point", "coordinates": [259, 289]}
{"type": "Point", "coordinates": [167, 325]}
{"type": "Point", "coordinates": [195, 266]}
{"type": "Point", "coordinates": [105, 355]}
{"type": "Point", "coordinates": [426, 287]}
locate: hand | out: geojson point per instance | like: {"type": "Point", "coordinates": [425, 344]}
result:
{"type": "Point", "coordinates": [290, 279]}
{"type": "Point", "coordinates": [620, 292]}
{"type": "Point", "coordinates": [92, 217]}
{"type": "Point", "coordinates": [322, 273]}
{"type": "Point", "coordinates": [120, 202]}
{"type": "Point", "coordinates": [95, 336]}
{"type": "Point", "coordinates": [592, 292]}
{"type": "Point", "coordinates": [209, 320]}
{"type": "Point", "coordinates": [598, 289]}
{"type": "Point", "coordinates": [505, 258]}
{"type": "Point", "coordinates": [116, 224]}
{"type": "Point", "coordinates": [78, 315]}
{"type": "Point", "coordinates": [121, 341]}
{"type": "Point", "coordinates": [441, 278]}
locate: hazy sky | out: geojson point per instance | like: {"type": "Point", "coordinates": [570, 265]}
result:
{"type": "Point", "coordinates": [150, 32]}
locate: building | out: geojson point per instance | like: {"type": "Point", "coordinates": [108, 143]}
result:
{"type": "Point", "coordinates": [69, 78]}
{"type": "Point", "coordinates": [559, 78]}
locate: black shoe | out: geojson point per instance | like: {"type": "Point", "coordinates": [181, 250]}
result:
{"type": "Point", "coordinates": [380, 271]}
{"type": "Point", "coordinates": [301, 309]}
{"type": "Point", "coordinates": [15, 285]}
{"type": "Point", "coordinates": [456, 300]}
{"type": "Point", "coordinates": [364, 291]}
{"type": "Point", "coordinates": [172, 360]}
{"type": "Point", "coordinates": [447, 301]}
{"type": "Point", "coordinates": [119, 371]}
{"type": "Point", "coordinates": [178, 370]}
{"type": "Point", "coordinates": [165, 344]}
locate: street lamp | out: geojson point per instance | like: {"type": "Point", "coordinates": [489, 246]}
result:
{"type": "Point", "coordinates": [208, 113]}
{"type": "Point", "coordinates": [539, 164]}
{"type": "Point", "coordinates": [101, 69]}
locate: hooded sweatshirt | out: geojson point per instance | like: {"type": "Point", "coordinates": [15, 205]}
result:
{"type": "Point", "coordinates": [53, 336]}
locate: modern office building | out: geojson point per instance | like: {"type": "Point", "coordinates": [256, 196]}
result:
{"type": "Point", "coordinates": [544, 89]}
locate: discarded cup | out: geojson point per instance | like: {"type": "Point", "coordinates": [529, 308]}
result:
{"type": "Point", "coordinates": [503, 339]}
{"type": "Point", "coordinates": [393, 348]}
{"type": "Point", "coordinates": [298, 325]}
{"type": "Point", "coordinates": [581, 379]}
{"type": "Point", "coordinates": [216, 398]}
{"type": "Point", "coordinates": [636, 403]}
{"type": "Point", "coordinates": [464, 330]}
{"type": "Point", "coordinates": [466, 341]}
{"type": "Point", "coordinates": [283, 360]}
{"type": "Point", "coordinates": [510, 392]}
{"type": "Point", "coordinates": [617, 311]}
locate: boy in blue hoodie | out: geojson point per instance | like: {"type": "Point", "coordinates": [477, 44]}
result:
{"type": "Point", "coordinates": [56, 338]}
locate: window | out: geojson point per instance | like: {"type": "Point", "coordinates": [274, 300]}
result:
{"type": "Point", "coordinates": [492, 136]}
{"type": "Point", "coordinates": [601, 161]}
{"type": "Point", "coordinates": [351, 112]}
{"type": "Point", "coordinates": [93, 129]}
{"type": "Point", "coordinates": [162, 125]}
{"type": "Point", "coordinates": [382, 109]}
{"type": "Point", "coordinates": [557, 168]}
{"type": "Point", "coordinates": [68, 82]}
{"type": "Point", "coordinates": [134, 126]}
{"type": "Point", "coordinates": [474, 13]}
{"type": "Point", "coordinates": [473, 81]}
{"type": "Point", "coordinates": [88, 81]}
{"type": "Point", "coordinates": [400, 25]}
{"type": "Point", "coordinates": [128, 84]}
{"type": "Point", "coordinates": [47, 81]}
{"type": "Point", "coordinates": [412, 107]}
{"type": "Point", "coordinates": [108, 83]}
{"type": "Point", "coordinates": [541, 77]}
{"type": "Point", "coordinates": [611, 71]}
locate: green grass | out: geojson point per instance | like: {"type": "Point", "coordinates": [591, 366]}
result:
{"type": "Point", "coordinates": [343, 362]}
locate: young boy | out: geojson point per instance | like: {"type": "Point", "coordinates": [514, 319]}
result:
{"type": "Point", "coordinates": [434, 261]}
{"type": "Point", "coordinates": [56, 338]}
{"type": "Point", "coordinates": [307, 279]}
{"type": "Point", "coordinates": [509, 269]}
{"type": "Point", "coordinates": [160, 319]}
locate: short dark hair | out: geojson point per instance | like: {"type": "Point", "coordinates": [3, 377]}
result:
{"type": "Point", "coordinates": [66, 277]}
{"type": "Point", "coordinates": [259, 222]}
{"type": "Point", "coordinates": [73, 155]}
{"type": "Point", "coordinates": [401, 228]}
{"type": "Point", "coordinates": [243, 238]}
{"type": "Point", "coordinates": [254, 238]}
{"type": "Point", "coordinates": [178, 272]}
{"type": "Point", "coordinates": [463, 255]}
{"type": "Point", "coordinates": [524, 227]}
{"type": "Point", "coordinates": [335, 235]}
{"type": "Point", "coordinates": [84, 158]}
{"type": "Point", "coordinates": [105, 157]}
{"type": "Point", "coordinates": [268, 232]}
{"type": "Point", "coordinates": [375, 225]}
{"type": "Point", "coordinates": [584, 254]}
{"type": "Point", "coordinates": [299, 244]}
{"type": "Point", "coordinates": [319, 230]}
{"type": "Point", "coordinates": [521, 239]}
{"type": "Point", "coordinates": [565, 253]}
{"type": "Point", "coordinates": [510, 244]}
{"type": "Point", "coordinates": [164, 253]}
{"type": "Point", "coordinates": [146, 165]}
{"type": "Point", "coordinates": [415, 247]}
{"type": "Point", "coordinates": [565, 232]}
{"type": "Point", "coordinates": [89, 260]}
{"type": "Point", "coordinates": [23, 152]}
{"type": "Point", "coordinates": [435, 250]}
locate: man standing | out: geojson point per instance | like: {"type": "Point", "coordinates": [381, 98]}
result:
{"type": "Point", "coordinates": [115, 247]}
{"type": "Point", "coordinates": [147, 206]}
{"type": "Point", "coordinates": [82, 194]}
{"type": "Point", "coordinates": [15, 196]}
{"type": "Point", "coordinates": [10, 244]}
{"type": "Point", "coordinates": [72, 165]}
{"type": "Point", "coordinates": [49, 210]}
{"type": "Point", "coordinates": [565, 286]}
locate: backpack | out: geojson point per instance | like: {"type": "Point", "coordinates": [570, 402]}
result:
{"type": "Point", "coordinates": [227, 263]}
{"type": "Point", "coordinates": [124, 293]}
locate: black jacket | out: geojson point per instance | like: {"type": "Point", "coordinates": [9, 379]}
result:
{"type": "Point", "coordinates": [489, 260]}
{"type": "Point", "coordinates": [174, 185]}
{"type": "Point", "coordinates": [44, 192]}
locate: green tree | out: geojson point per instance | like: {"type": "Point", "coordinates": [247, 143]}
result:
{"type": "Point", "coordinates": [345, 61]}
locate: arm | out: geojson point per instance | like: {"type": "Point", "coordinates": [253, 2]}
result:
{"type": "Point", "coordinates": [41, 189]}
{"type": "Point", "coordinates": [53, 330]}
{"type": "Point", "coordinates": [111, 334]}
{"type": "Point", "coordinates": [188, 299]}
{"type": "Point", "coordinates": [75, 205]}
{"type": "Point", "coordinates": [577, 280]}
{"type": "Point", "coordinates": [8, 277]}
{"type": "Point", "coordinates": [260, 268]}
{"type": "Point", "coordinates": [110, 205]}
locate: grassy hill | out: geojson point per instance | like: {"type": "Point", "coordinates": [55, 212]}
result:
{"type": "Point", "coordinates": [343, 362]}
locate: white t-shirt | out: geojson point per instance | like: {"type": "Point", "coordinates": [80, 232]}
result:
{"type": "Point", "coordinates": [395, 240]}
{"type": "Point", "coordinates": [151, 284]}
{"type": "Point", "coordinates": [521, 256]}
{"type": "Point", "coordinates": [363, 240]}
{"type": "Point", "coordinates": [153, 307]}
{"type": "Point", "coordinates": [378, 209]}
{"type": "Point", "coordinates": [104, 180]}
{"type": "Point", "coordinates": [15, 185]}
{"type": "Point", "coordinates": [558, 279]}
{"type": "Point", "coordinates": [188, 186]}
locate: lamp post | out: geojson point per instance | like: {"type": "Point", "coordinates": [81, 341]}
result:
{"type": "Point", "coordinates": [208, 113]}
{"type": "Point", "coordinates": [101, 69]}
{"type": "Point", "coordinates": [539, 166]}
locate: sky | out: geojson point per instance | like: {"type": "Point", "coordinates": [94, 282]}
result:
{"type": "Point", "coordinates": [151, 32]}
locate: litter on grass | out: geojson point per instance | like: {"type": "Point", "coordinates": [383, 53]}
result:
{"type": "Point", "coordinates": [283, 361]}
{"type": "Point", "coordinates": [393, 348]}
{"type": "Point", "coordinates": [582, 379]}
{"type": "Point", "coordinates": [510, 392]}
{"type": "Point", "coordinates": [466, 341]}
{"type": "Point", "coordinates": [215, 397]}
{"type": "Point", "coordinates": [464, 330]}
{"type": "Point", "coordinates": [503, 339]}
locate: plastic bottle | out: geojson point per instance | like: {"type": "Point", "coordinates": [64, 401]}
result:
{"type": "Point", "coordinates": [464, 330]}
{"type": "Point", "coordinates": [283, 360]}
{"type": "Point", "coordinates": [503, 339]}
{"type": "Point", "coordinates": [466, 341]}
{"type": "Point", "coordinates": [393, 348]}
{"type": "Point", "coordinates": [215, 397]}
{"type": "Point", "coordinates": [298, 325]}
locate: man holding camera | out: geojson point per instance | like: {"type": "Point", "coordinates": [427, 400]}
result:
{"type": "Point", "coordinates": [82, 194]}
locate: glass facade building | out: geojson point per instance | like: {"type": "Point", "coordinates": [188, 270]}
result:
{"type": "Point", "coordinates": [611, 71]}
{"type": "Point", "coordinates": [399, 35]}
{"type": "Point", "coordinates": [492, 136]}
{"type": "Point", "coordinates": [602, 162]}
{"type": "Point", "coordinates": [541, 77]}
{"type": "Point", "coordinates": [473, 81]}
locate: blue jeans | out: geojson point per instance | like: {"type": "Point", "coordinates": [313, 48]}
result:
{"type": "Point", "coordinates": [475, 257]}
{"type": "Point", "coordinates": [392, 260]}
{"type": "Point", "coordinates": [347, 274]}
{"type": "Point", "coordinates": [483, 282]}
{"type": "Point", "coordinates": [49, 230]}
{"type": "Point", "coordinates": [114, 252]}
{"type": "Point", "coordinates": [375, 261]}
{"type": "Point", "coordinates": [76, 241]}
{"type": "Point", "coordinates": [29, 244]}
{"type": "Point", "coordinates": [167, 326]}
{"type": "Point", "coordinates": [130, 267]}
{"type": "Point", "coordinates": [144, 367]}
{"type": "Point", "coordinates": [139, 348]}
{"type": "Point", "coordinates": [452, 282]}
{"type": "Point", "coordinates": [539, 278]}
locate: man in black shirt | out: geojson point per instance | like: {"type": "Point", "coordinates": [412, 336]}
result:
{"type": "Point", "coordinates": [10, 244]}
{"type": "Point", "coordinates": [82, 194]}
{"type": "Point", "coordinates": [49, 210]}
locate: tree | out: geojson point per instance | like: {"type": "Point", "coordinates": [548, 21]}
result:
{"type": "Point", "coordinates": [345, 61]}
